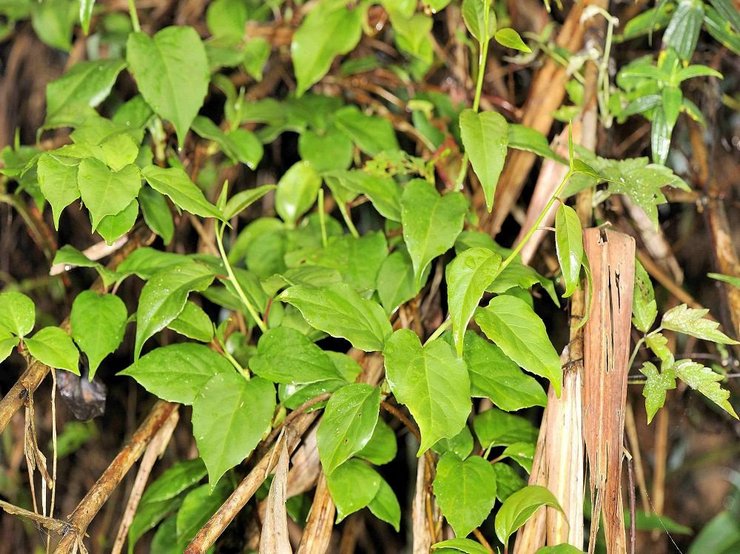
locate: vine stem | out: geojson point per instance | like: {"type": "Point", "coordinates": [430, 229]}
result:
{"type": "Point", "coordinates": [242, 296]}
{"type": "Point", "coordinates": [134, 16]}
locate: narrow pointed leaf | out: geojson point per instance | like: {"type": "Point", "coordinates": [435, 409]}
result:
{"type": "Point", "coordinates": [58, 181]}
{"type": "Point", "coordinates": [569, 247]}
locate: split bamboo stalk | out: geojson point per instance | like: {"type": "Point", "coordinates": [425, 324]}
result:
{"type": "Point", "coordinates": [611, 256]}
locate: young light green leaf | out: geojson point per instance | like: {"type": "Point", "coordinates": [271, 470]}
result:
{"type": "Point", "coordinates": [519, 507]}
{"type": "Point", "coordinates": [383, 192]}
{"type": "Point", "coordinates": [690, 321]}
{"type": "Point", "coordinates": [569, 247]}
{"type": "Point", "coordinates": [106, 192]}
{"type": "Point", "coordinates": [467, 546]}
{"type": "Point", "coordinates": [242, 200]}
{"type": "Point", "coordinates": [352, 486]}
{"type": "Point", "coordinates": [296, 192]}
{"type": "Point", "coordinates": [465, 491]}
{"type": "Point", "coordinates": [230, 415]}
{"type": "Point", "coordinates": [70, 98]}
{"type": "Point", "coordinates": [175, 183]}
{"type": "Point", "coordinates": [189, 367]}
{"type": "Point", "coordinates": [460, 445]}
{"type": "Point", "coordinates": [644, 308]}
{"type": "Point", "coordinates": [485, 137]}
{"type": "Point", "coordinates": [467, 276]}
{"type": "Point", "coordinates": [7, 343]}
{"type": "Point", "coordinates": [494, 375]}
{"type": "Point", "coordinates": [560, 549]}
{"type": "Point", "coordinates": [385, 505]}
{"type": "Point", "coordinates": [349, 420]}
{"type": "Point", "coordinates": [328, 151]}
{"type": "Point", "coordinates": [17, 313]}
{"type": "Point", "coordinates": [382, 447]}
{"type": "Point", "coordinates": [658, 343]}
{"type": "Point", "coordinates": [98, 323]}
{"type": "Point", "coordinates": [157, 213]}
{"type": "Point", "coordinates": [510, 38]}
{"type": "Point", "coordinates": [194, 323]}
{"type": "Point", "coordinates": [164, 295]}
{"type": "Point", "coordinates": [431, 381]}
{"type": "Point", "coordinates": [729, 279]}
{"type": "Point", "coordinates": [327, 31]}
{"type": "Point", "coordinates": [703, 379]}
{"type": "Point", "coordinates": [58, 181]}
{"type": "Point", "coordinates": [171, 70]}
{"type": "Point", "coordinates": [358, 259]}
{"type": "Point", "coordinates": [86, 10]}
{"type": "Point", "coordinates": [54, 347]}
{"type": "Point", "coordinates": [285, 355]}
{"type": "Point", "coordinates": [658, 382]}
{"type": "Point", "coordinates": [396, 283]}
{"type": "Point", "coordinates": [525, 138]}
{"type": "Point", "coordinates": [239, 144]}
{"type": "Point", "coordinates": [338, 310]}
{"type": "Point", "coordinates": [480, 24]}
{"type": "Point", "coordinates": [522, 453]}
{"type": "Point", "coordinates": [519, 332]}
{"type": "Point", "coordinates": [431, 222]}
{"type": "Point", "coordinates": [496, 428]}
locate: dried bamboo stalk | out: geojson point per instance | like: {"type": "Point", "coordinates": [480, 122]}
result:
{"type": "Point", "coordinates": [611, 256]}
{"type": "Point", "coordinates": [317, 534]}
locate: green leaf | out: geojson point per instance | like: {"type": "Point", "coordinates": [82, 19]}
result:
{"type": "Point", "coordinates": [495, 376]}
{"type": "Point", "coordinates": [522, 453]}
{"type": "Point", "coordinates": [431, 222]}
{"type": "Point", "coordinates": [57, 177]}
{"type": "Point", "coordinates": [348, 424]}
{"type": "Point", "coordinates": [176, 479]}
{"type": "Point", "coordinates": [171, 70]}
{"type": "Point", "coordinates": [175, 183]}
{"type": "Point", "coordinates": [396, 283]}
{"type": "Point", "coordinates": [17, 313]}
{"type": "Point", "coordinates": [53, 21]}
{"type": "Point", "coordinates": [560, 549]}
{"type": "Point", "coordinates": [329, 151]}
{"type": "Point", "coordinates": [480, 24]}
{"type": "Point", "coordinates": [230, 415]}
{"type": "Point", "coordinates": [189, 367]}
{"type": "Point", "coordinates": [496, 428]}
{"type": "Point", "coordinates": [353, 485]}
{"type": "Point", "coordinates": [465, 491]}
{"type": "Point", "coordinates": [194, 323]}
{"type": "Point", "coordinates": [86, 10]}
{"type": "Point", "coordinates": [106, 192]}
{"type": "Point", "coordinates": [431, 381]}
{"type": "Point", "coordinates": [84, 86]}
{"type": "Point", "coordinates": [7, 343]}
{"type": "Point", "coordinates": [658, 343]}
{"type": "Point", "coordinates": [467, 276]}
{"type": "Point", "coordinates": [157, 213]}
{"type": "Point", "coordinates": [660, 137]}
{"type": "Point", "coordinates": [519, 332]}
{"type": "Point", "coordinates": [98, 323]}
{"type": "Point", "coordinates": [519, 507]}
{"type": "Point", "coordinates": [703, 379]}
{"type": "Point", "coordinates": [569, 246]}
{"type": "Point", "coordinates": [508, 481]}
{"type": "Point", "coordinates": [690, 321]}
{"type": "Point", "coordinates": [326, 32]}
{"type": "Point", "coordinates": [226, 19]}
{"type": "Point", "coordinates": [148, 515]}
{"type": "Point", "coordinates": [683, 30]}
{"type": "Point", "coordinates": [113, 227]}
{"type": "Point", "coordinates": [296, 192]}
{"type": "Point", "coordinates": [485, 137]}
{"type": "Point", "coordinates": [729, 279]}
{"type": "Point", "coordinates": [385, 505]}
{"type": "Point", "coordinates": [383, 192]}
{"type": "Point", "coordinates": [239, 145]}
{"type": "Point", "coordinates": [720, 536]}
{"type": "Point", "coordinates": [461, 545]}
{"type": "Point", "coordinates": [658, 382]}
{"type": "Point", "coordinates": [510, 38]}
{"type": "Point", "coordinates": [531, 140]}
{"type": "Point", "coordinates": [644, 309]}
{"type": "Point", "coordinates": [672, 99]}
{"type": "Point", "coordinates": [341, 312]}
{"type": "Point", "coordinates": [371, 134]}
{"type": "Point", "coordinates": [242, 200]}
{"type": "Point", "coordinates": [119, 150]}
{"type": "Point", "coordinates": [461, 444]}
{"type": "Point", "coordinates": [164, 295]}
{"type": "Point", "coordinates": [53, 347]}
{"type": "Point", "coordinates": [197, 507]}
{"type": "Point", "coordinates": [382, 447]}
{"type": "Point", "coordinates": [285, 355]}
{"type": "Point", "coordinates": [358, 260]}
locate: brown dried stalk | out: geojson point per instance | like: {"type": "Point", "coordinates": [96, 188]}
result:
{"type": "Point", "coordinates": [274, 535]}
{"type": "Point", "coordinates": [90, 505]}
{"type": "Point", "coordinates": [611, 256]}
{"type": "Point", "coordinates": [317, 534]}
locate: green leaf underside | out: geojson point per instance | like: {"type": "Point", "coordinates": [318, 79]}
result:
{"type": "Point", "coordinates": [348, 424]}
{"type": "Point", "coordinates": [514, 327]}
{"type": "Point", "coordinates": [691, 321]}
{"type": "Point", "coordinates": [432, 382]}
{"type": "Point", "coordinates": [189, 367]}
{"type": "Point", "coordinates": [230, 415]}
{"type": "Point", "coordinates": [465, 491]}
